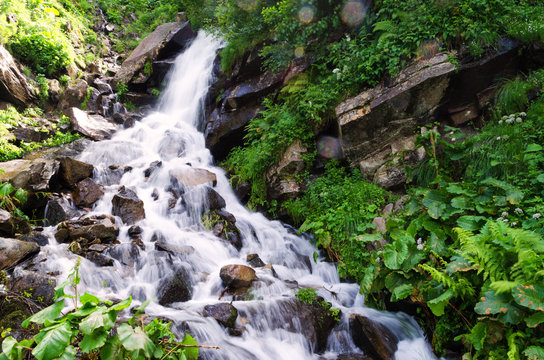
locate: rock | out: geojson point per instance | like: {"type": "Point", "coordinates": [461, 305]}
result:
{"type": "Point", "coordinates": [73, 171]}
{"type": "Point", "coordinates": [98, 247]}
{"type": "Point", "coordinates": [252, 89]}
{"type": "Point", "coordinates": [14, 86]}
{"type": "Point", "coordinates": [237, 276]}
{"type": "Point", "coordinates": [99, 259]}
{"type": "Point", "coordinates": [399, 204]}
{"type": "Point", "coordinates": [167, 36]}
{"type": "Point", "coordinates": [36, 175]}
{"type": "Point", "coordinates": [57, 210]}
{"type": "Point", "coordinates": [95, 127]}
{"type": "Point", "coordinates": [14, 251]}
{"type": "Point", "coordinates": [373, 338]}
{"type": "Point", "coordinates": [189, 176]}
{"type": "Point", "coordinates": [94, 227]}
{"type": "Point", "coordinates": [126, 254]}
{"type": "Point", "coordinates": [102, 86]}
{"type": "Point", "coordinates": [152, 167]}
{"type": "Point", "coordinates": [390, 176]}
{"type": "Point", "coordinates": [353, 357]}
{"type": "Point", "coordinates": [128, 206]}
{"type": "Point", "coordinates": [222, 224]}
{"type": "Point", "coordinates": [35, 237]}
{"type": "Point", "coordinates": [86, 193]}
{"type": "Point", "coordinates": [225, 130]}
{"type": "Point", "coordinates": [7, 227]}
{"type": "Point", "coordinates": [254, 260]}
{"type": "Point", "coordinates": [380, 224]}
{"type": "Point", "coordinates": [40, 287]}
{"type": "Point", "coordinates": [178, 39]}
{"type": "Point", "coordinates": [29, 134]}
{"type": "Point", "coordinates": [134, 231]}
{"type": "Point", "coordinates": [55, 90]}
{"type": "Point", "coordinates": [175, 288]}
{"type": "Point", "coordinates": [139, 99]}
{"type": "Point", "coordinates": [164, 245]}
{"type": "Point", "coordinates": [74, 95]}
{"type": "Point", "coordinates": [224, 313]}
{"type": "Point", "coordinates": [388, 209]}
{"type": "Point", "coordinates": [280, 178]}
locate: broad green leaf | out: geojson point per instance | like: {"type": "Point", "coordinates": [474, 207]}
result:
{"type": "Point", "coordinates": [535, 319]}
{"type": "Point", "coordinates": [461, 202]}
{"type": "Point", "coordinates": [134, 339]}
{"type": "Point", "coordinates": [21, 195]}
{"type": "Point", "coordinates": [8, 344]}
{"type": "Point", "coordinates": [122, 305]}
{"type": "Point", "coordinates": [88, 298]}
{"type": "Point", "coordinates": [395, 254]}
{"type": "Point", "coordinates": [540, 178]}
{"type": "Point", "coordinates": [111, 350]}
{"type": "Point", "coordinates": [436, 209]}
{"type": "Point", "coordinates": [530, 296]}
{"type": "Point", "coordinates": [53, 343]}
{"type": "Point", "coordinates": [190, 352]}
{"type": "Point", "coordinates": [438, 304]}
{"type": "Point", "coordinates": [503, 286]}
{"type": "Point", "coordinates": [401, 292]}
{"type": "Point", "coordinates": [458, 264]}
{"type": "Point", "coordinates": [50, 313]}
{"type": "Point", "coordinates": [514, 196]}
{"type": "Point", "coordinates": [459, 190]}
{"type": "Point", "coordinates": [533, 148]}
{"type": "Point", "coordinates": [534, 353]}
{"type": "Point", "coordinates": [96, 320]}
{"type": "Point", "coordinates": [69, 353]}
{"type": "Point", "coordinates": [93, 341]}
{"type": "Point", "coordinates": [471, 222]}
{"type": "Point", "coordinates": [6, 189]}
{"type": "Point", "coordinates": [477, 335]}
{"type": "Point", "coordinates": [493, 303]}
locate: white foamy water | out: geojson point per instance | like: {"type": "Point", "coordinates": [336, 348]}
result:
{"type": "Point", "coordinates": [170, 135]}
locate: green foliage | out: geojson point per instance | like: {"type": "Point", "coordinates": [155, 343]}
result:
{"type": "Point", "coordinates": [121, 89]}
{"type": "Point", "coordinates": [310, 297]}
{"type": "Point", "coordinates": [91, 329]}
{"type": "Point", "coordinates": [43, 87]}
{"type": "Point", "coordinates": [307, 295]}
{"type": "Point", "coordinates": [11, 199]}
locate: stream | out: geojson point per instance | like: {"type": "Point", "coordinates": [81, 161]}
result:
{"type": "Point", "coordinates": [268, 330]}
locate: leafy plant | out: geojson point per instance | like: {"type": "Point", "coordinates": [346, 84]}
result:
{"type": "Point", "coordinates": [11, 199]}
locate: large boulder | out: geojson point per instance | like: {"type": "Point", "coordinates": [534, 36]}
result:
{"type": "Point", "coordinates": [14, 86]}
{"type": "Point", "coordinates": [128, 206]}
{"type": "Point", "coordinates": [40, 287]}
{"type": "Point", "coordinates": [10, 225]}
{"type": "Point", "coordinates": [74, 95]}
{"type": "Point", "coordinates": [281, 177]}
{"type": "Point", "coordinates": [35, 175]}
{"type": "Point", "coordinates": [237, 276]}
{"type": "Point", "coordinates": [188, 177]}
{"type": "Point", "coordinates": [73, 171]}
{"type": "Point", "coordinates": [175, 288]}
{"type": "Point", "coordinates": [167, 39]}
{"type": "Point", "coordinates": [57, 210]}
{"type": "Point", "coordinates": [100, 227]}
{"type": "Point", "coordinates": [364, 120]}
{"type": "Point", "coordinates": [13, 251]}
{"type": "Point", "coordinates": [373, 337]}
{"type": "Point", "coordinates": [252, 89]}
{"type": "Point", "coordinates": [86, 193]}
{"type": "Point", "coordinates": [95, 127]}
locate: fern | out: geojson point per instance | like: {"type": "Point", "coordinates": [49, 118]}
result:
{"type": "Point", "coordinates": [461, 287]}
{"type": "Point", "coordinates": [387, 28]}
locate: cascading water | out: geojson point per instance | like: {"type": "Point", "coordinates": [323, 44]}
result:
{"type": "Point", "coordinates": [170, 135]}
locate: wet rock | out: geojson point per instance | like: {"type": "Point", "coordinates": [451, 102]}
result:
{"type": "Point", "coordinates": [95, 127]}
{"type": "Point", "coordinates": [126, 254]}
{"type": "Point", "coordinates": [35, 237]}
{"type": "Point", "coordinates": [13, 251]}
{"type": "Point", "coordinates": [390, 176]}
{"type": "Point", "coordinates": [252, 89]}
{"type": "Point", "coordinates": [280, 178]}
{"type": "Point", "coordinates": [214, 201]}
{"type": "Point", "coordinates": [139, 99]}
{"type": "Point", "coordinates": [36, 175]}
{"type": "Point", "coordinates": [99, 259]}
{"type": "Point", "coordinates": [86, 193]}
{"type": "Point", "coordinates": [29, 134]}
{"type": "Point", "coordinates": [237, 276]}
{"type": "Point", "coordinates": [163, 245]}
{"type": "Point", "coordinates": [152, 167]}
{"type": "Point", "coordinates": [98, 247]}
{"type": "Point", "coordinates": [353, 357]}
{"type": "Point", "coordinates": [224, 313]}
{"type": "Point", "coordinates": [177, 40]}
{"type": "Point", "coordinates": [40, 287]}
{"type": "Point", "coordinates": [72, 171]}
{"type": "Point", "coordinates": [74, 94]}
{"type": "Point", "coordinates": [254, 260]}
{"type": "Point", "coordinates": [388, 209]}
{"type": "Point", "coordinates": [55, 90]}
{"type": "Point", "coordinates": [175, 288]}
{"type": "Point", "coordinates": [128, 206]}
{"type": "Point", "coordinates": [57, 210]}
{"type": "Point", "coordinates": [14, 86]}
{"type": "Point", "coordinates": [188, 177]}
{"type": "Point", "coordinates": [102, 86]}
{"type": "Point", "coordinates": [373, 338]}
{"type": "Point", "coordinates": [127, 120]}
{"type": "Point", "coordinates": [134, 231]}
{"type": "Point", "coordinates": [94, 227]}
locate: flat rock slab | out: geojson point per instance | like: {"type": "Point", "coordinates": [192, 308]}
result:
{"type": "Point", "coordinates": [95, 127]}
{"type": "Point", "coordinates": [13, 251]}
{"type": "Point", "coordinates": [14, 86]}
{"type": "Point", "coordinates": [192, 177]}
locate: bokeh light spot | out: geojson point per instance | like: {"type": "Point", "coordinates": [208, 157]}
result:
{"type": "Point", "coordinates": [299, 51]}
{"type": "Point", "coordinates": [306, 14]}
{"type": "Point", "coordinates": [329, 147]}
{"type": "Point", "coordinates": [353, 12]}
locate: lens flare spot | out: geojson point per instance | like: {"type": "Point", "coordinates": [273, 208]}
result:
{"type": "Point", "coordinates": [299, 51]}
{"type": "Point", "coordinates": [248, 5]}
{"type": "Point", "coordinates": [306, 14]}
{"type": "Point", "coordinates": [353, 12]}
{"type": "Point", "coordinates": [329, 147]}
{"type": "Point", "coordinates": [427, 49]}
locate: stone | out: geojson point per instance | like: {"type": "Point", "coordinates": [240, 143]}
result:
{"type": "Point", "coordinates": [128, 206]}
{"type": "Point", "coordinates": [86, 193]}
{"type": "Point", "coordinates": [14, 251]}
{"type": "Point", "coordinates": [55, 90]}
{"type": "Point", "coordinates": [139, 99]}
{"type": "Point", "coordinates": [164, 245]}
{"type": "Point", "coordinates": [175, 288]}
{"type": "Point", "coordinates": [416, 92]}
{"type": "Point", "coordinates": [214, 201]}
{"type": "Point", "coordinates": [36, 175]}
{"type": "Point", "coordinates": [99, 259]}
{"type": "Point", "coordinates": [73, 171]}
{"type": "Point", "coordinates": [126, 254]}
{"type": "Point", "coordinates": [237, 276]}
{"type": "Point", "coordinates": [95, 127]}
{"type": "Point", "coordinates": [100, 227]}
{"type": "Point", "coordinates": [224, 313]}
{"type": "Point", "coordinates": [248, 91]}
{"type": "Point", "coordinates": [14, 86]}
{"type": "Point", "coordinates": [102, 86]}
{"type": "Point", "coordinates": [74, 95]}
{"type": "Point", "coordinates": [36, 237]}
{"type": "Point", "coordinates": [134, 231]}
{"type": "Point", "coordinates": [40, 287]}
{"type": "Point", "coordinates": [373, 338]}
{"type": "Point", "coordinates": [254, 260]}
{"type": "Point", "coordinates": [188, 177]}
{"type": "Point", "coordinates": [152, 168]}
{"type": "Point", "coordinates": [280, 178]}
{"type": "Point", "coordinates": [463, 114]}
{"type": "Point", "coordinates": [29, 134]}
{"type": "Point", "coordinates": [58, 210]}
{"type": "Point", "coordinates": [380, 224]}
{"type": "Point", "coordinates": [399, 204]}
{"type": "Point", "coordinates": [177, 40]}
{"type": "Point", "coordinates": [390, 176]}
{"type": "Point", "coordinates": [388, 209]}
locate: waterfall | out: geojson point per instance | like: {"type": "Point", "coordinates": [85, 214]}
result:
{"type": "Point", "coordinates": [170, 136]}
